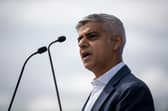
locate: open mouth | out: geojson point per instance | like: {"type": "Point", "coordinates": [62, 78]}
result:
{"type": "Point", "coordinates": [85, 55]}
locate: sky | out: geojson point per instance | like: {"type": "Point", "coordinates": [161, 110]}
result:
{"type": "Point", "coordinates": [26, 25]}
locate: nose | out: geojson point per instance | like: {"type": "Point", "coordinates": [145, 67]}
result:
{"type": "Point", "coordinates": [83, 43]}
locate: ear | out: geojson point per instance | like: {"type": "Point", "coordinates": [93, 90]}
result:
{"type": "Point", "coordinates": [117, 42]}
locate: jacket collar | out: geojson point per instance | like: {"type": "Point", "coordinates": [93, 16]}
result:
{"type": "Point", "coordinates": [110, 88]}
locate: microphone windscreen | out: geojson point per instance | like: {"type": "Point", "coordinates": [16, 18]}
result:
{"type": "Point", "coordinates": [42, 50]}
{"type": "Point", "coordinates": [61, 39]}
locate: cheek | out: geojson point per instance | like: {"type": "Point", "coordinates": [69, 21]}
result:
{"type": "Point", "coordinates": [99, 52]}
{"type": "Point", "coordinates": [101, 49]}
{"type": "Point", "coordinates": [104, 52]}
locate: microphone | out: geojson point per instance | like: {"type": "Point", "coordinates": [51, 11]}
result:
{"type": "Point", "coordinates": [60, 39]}
{"type": "Point", "coordinates": [39, 51]}
{"type": "Point", "coordinates": [42, 50]}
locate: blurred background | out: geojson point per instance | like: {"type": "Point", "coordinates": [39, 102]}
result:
{"type": "Point", "coordinates": [26, 25]}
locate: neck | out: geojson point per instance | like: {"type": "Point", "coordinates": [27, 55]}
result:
{"type": "Point", "coordinates": [101, 71]}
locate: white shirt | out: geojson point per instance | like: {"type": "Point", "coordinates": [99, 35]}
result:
{"type": "Point", "coordinates": [99, 84]}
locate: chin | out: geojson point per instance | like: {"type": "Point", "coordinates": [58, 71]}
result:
{"type": "Point", "coordinates": [89, 66]}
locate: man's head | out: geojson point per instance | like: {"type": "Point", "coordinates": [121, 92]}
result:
{"type": "Point", "coordinates": [101, 41]}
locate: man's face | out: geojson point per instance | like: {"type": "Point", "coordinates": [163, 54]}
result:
{"type": "Point", "coordinates": [96, 46]}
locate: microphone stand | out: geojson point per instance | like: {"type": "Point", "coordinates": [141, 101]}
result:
{"type": "Point", "coordinates": [40, 50]}
{"type": "Point", "coordinates": [53, 73]}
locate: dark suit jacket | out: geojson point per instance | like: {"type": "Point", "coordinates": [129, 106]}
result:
{"type": "Point", "coordinates": [124, 92]}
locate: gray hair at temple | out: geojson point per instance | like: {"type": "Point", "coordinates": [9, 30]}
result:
{"type": "Point", "coordinates": [113, 24]}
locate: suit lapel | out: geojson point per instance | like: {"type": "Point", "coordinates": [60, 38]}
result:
{"type": "Point", "coordinates": [103, 96]}
{"type": "Point", "coordinates": [86, 102]}
{"type": "Point", "coordinates": [110, 88]}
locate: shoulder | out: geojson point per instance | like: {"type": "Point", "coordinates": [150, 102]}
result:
{"type": "Point", "coordinates": [131, 86]}
{"type": "Point", "coordinates": [129, 92]}
{"type": "Point", "coordinates": [125, 83]}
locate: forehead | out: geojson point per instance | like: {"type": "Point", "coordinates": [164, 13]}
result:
{"type": "Point", "coordinates": [91, 27]}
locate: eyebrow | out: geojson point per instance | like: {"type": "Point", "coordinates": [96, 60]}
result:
{"type": "Point", "coordinates": [87, 34]}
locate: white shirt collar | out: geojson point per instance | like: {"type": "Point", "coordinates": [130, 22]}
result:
{"type": "Point", "coordinates": [104, 78]}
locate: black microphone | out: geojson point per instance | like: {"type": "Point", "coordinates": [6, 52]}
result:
{"type": "Point", "coordinates": [42, 50]}
{"type": "Point", "coordinates": [60, 39]}
{"type": "Point", "coordinates": [39, 51]}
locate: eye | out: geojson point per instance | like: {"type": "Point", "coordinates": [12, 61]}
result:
{"type": "Point", "coordinates": [92, 36]}
{"type": "Point", "coordinates": [79, 38]}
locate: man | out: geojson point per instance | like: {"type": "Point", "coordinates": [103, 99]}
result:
{"type": "Point", "coordinates": [101, 41]}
